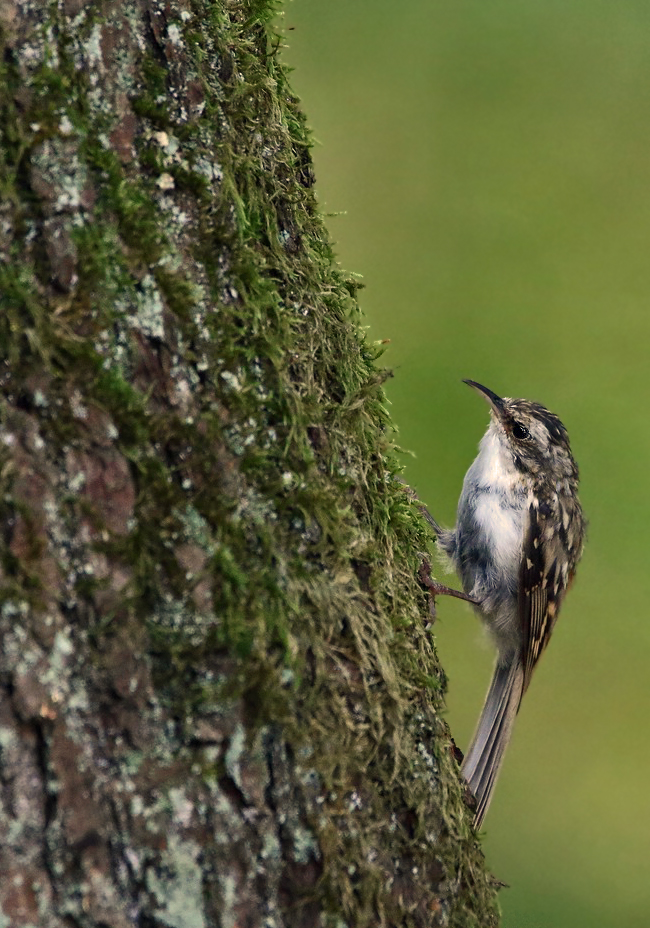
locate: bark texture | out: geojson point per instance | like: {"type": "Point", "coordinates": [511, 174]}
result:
{"type": "Point", "coordinates": [219, 698]}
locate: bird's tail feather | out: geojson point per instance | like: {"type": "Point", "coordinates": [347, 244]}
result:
{"type": "Point", "coordinates": [485, 755]}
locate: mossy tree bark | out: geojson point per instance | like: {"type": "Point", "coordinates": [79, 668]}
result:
{"type": "Point", "coordinates": [220, 702]}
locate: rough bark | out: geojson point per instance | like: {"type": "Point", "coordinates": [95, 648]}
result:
{"type": "Point", "coordinates": [220, 704]}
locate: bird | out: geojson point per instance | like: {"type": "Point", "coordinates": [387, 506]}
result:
{"type": "Point", "coordinates": [518, 537]}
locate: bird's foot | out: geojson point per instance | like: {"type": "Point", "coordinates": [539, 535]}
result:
{"type": "Point", "coordinates": [439, 589]}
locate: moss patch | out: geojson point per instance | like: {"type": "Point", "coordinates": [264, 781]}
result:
{"type": "Point", "coordinates": [168, 286]}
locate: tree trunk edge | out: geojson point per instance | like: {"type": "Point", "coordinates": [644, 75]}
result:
{"type": "Point", "coordinates": [221, 701]}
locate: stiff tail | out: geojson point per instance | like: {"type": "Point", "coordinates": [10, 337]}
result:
{"type": "Point", "coordinates": [486, 752]}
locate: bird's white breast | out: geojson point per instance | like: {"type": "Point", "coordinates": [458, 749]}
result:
{"type": "Point", "coordinates": [502, 529]}
{"type": "Point", "coordinates": [500, 505]}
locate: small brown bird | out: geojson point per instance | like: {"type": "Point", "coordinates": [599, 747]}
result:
{"type": "Point", "coordinates": [518, 538]}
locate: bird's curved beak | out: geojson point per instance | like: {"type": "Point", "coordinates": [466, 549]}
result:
{"type": "Point", "coordinates": [496, 403]}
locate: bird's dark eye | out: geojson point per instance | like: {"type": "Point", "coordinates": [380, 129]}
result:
{"type": "Point", "coordinates": [520, 431]}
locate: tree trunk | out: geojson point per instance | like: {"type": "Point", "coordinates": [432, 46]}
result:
{"type": "Point", "coordinates": [220, 699]}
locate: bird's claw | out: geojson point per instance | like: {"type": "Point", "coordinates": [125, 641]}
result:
{"type": "Point", "coordinates": [439, 589]}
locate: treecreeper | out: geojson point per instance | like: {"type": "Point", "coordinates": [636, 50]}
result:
{"type": "Point", "coordinates": [518, 538]}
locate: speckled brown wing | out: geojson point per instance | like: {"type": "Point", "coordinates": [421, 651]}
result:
{"type": "Point", "coordinates": [552, 548]}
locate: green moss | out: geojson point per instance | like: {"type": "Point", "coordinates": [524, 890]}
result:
{"type": "Point", "coordinates": [151, 101]}
{"type": "Point", "coordinates": [259, 432]}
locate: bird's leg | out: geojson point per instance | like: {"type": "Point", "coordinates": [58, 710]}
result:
{"type": "Point", "coordinates": [439, 589]}
{"type": "Point", "coordinates": [428, 517]}
{"type": "Point", "coordinates": [423, 509]}
{"type": "Point", "coordinates": [424, 573]}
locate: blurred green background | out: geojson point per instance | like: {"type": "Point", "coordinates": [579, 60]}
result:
{"type": "Point", "coordinates": [493, 164]}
